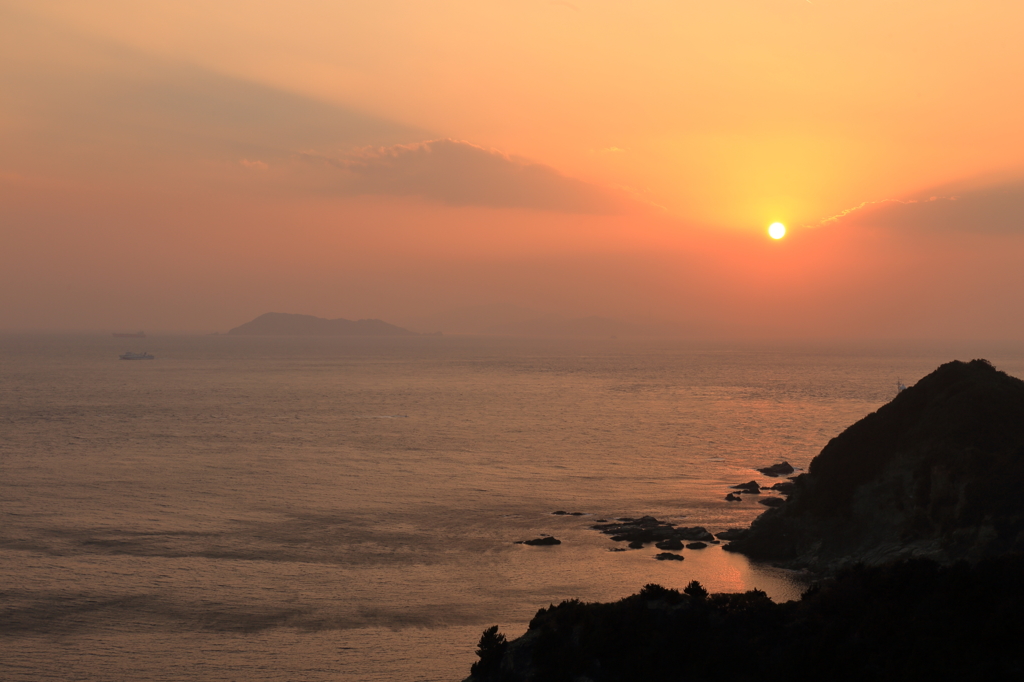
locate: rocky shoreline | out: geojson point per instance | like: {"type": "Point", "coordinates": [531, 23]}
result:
{"type": "Point", "coordinates": [911, 518]}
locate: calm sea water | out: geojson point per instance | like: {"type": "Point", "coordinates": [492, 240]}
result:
{"type": "Point", "coordinates": [331, 509]}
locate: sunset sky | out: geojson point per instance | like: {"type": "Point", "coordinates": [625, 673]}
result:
{"type": "Point", "coordinates": [185, 166]}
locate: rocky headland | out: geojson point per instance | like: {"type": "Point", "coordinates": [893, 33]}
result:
{"type": "Point", "coordinates": [938, 472]}
{"type": "Point", "coordinates": [913, 519]}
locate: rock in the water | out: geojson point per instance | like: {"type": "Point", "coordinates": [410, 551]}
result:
{"type": "Point", "coordinates": [636, 544]}
{"type": "Point", "coordinates": [694, 533]}
{"type": "Point", "coordinates": [934, 473]}
{"type": "Point", "coordinates": [784, 487]}
{"type": "Point", "coordinates": [772, 501]}
{"type": "Point", "coordinates": [671, 543]}
{"type": "Point", "coordinates": [780, 469]}
{"type": "Point", "coordinates": [752, 487]}
{"type": "Point", "coordinates": [647, 529]}
{"type": "Point", "coordinates": [731, 534]}
{"type": "Point", "coordinates": [668, 556]}
{"type": "Point", "coordinates": [547, 540]}
{"type": "Point", "coordinates": [560, 512]}
{"type": "Point", "coordinates": [696, 545]}
{"type": "Point", "coordinates": [733, 498]}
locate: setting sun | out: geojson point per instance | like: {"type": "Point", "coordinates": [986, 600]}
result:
{"type": "Point", "coordinates": [777, 231]}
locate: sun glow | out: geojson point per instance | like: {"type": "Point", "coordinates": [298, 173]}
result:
{"type": "Point", "coordinates": [776, 230]}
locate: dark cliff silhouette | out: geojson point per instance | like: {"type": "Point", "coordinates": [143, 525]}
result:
{"type": "Point", "coordinates": [938, 472]}
{"type": "Point", "coordinates": [912, 620]}
{"type": "Point", "coordinates": [287, 324]}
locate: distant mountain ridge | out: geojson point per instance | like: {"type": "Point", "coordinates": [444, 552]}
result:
{"type": "Point", "coordinates": [289, 324]}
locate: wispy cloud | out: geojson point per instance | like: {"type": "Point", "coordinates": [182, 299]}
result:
{"type": "Point", "coordinates": [997, 208]}
{"type": "Point", "coordinates": [463, 174]}
{"type": "Point", "coordinates": [868, 207]}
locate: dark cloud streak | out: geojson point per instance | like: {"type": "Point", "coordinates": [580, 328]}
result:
{"type": "Point", "coordinates": [463, 174]}
{"type": "Point", "coordinates": [992, 209]}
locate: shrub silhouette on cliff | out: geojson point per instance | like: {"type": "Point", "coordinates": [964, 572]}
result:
{"type": "Point", "coordinates": [490, 650]}
{"type": "Point", "coordinates": [914, 619]}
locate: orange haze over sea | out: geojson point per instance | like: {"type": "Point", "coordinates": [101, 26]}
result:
{"type": "Point", "coordinates": [186, 166]}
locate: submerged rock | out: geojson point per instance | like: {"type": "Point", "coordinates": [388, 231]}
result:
{"type": "Point", "coordinates": [772, 501]}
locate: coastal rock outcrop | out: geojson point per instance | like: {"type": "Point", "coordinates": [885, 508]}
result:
{"type": "Point", "coordinates": [668, 556]}
{"type": "Point", "coordinates": [647, 529]}
{"type": "Point", "coordinates": [545, 541]}
{"type": "Point", "coordinates": [934, 473]}
{"type": "Point", "coordinates": [780, 469]}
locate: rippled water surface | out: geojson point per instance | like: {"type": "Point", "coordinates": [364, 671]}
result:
{"type": "Point", "coordinates": [344, 509]}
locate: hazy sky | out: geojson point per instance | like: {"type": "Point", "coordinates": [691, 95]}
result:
{"type": "Point", "coordinates": [186, 166]}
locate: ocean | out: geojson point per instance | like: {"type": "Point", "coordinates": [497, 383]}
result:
{"type": "Point", "coordinates": [246, 508]}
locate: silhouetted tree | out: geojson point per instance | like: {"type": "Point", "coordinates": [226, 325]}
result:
{"type": "Point", "coordinates": [490, 650]}
{"type": "Point", "coordinates": [695, 590]}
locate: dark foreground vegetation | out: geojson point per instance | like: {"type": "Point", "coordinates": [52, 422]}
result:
{"type": "Point", "coordinates": [910, 620]}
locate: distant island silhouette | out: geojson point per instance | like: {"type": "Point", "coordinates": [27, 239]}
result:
{"type": "Point", "coordinates": [288, 324]}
